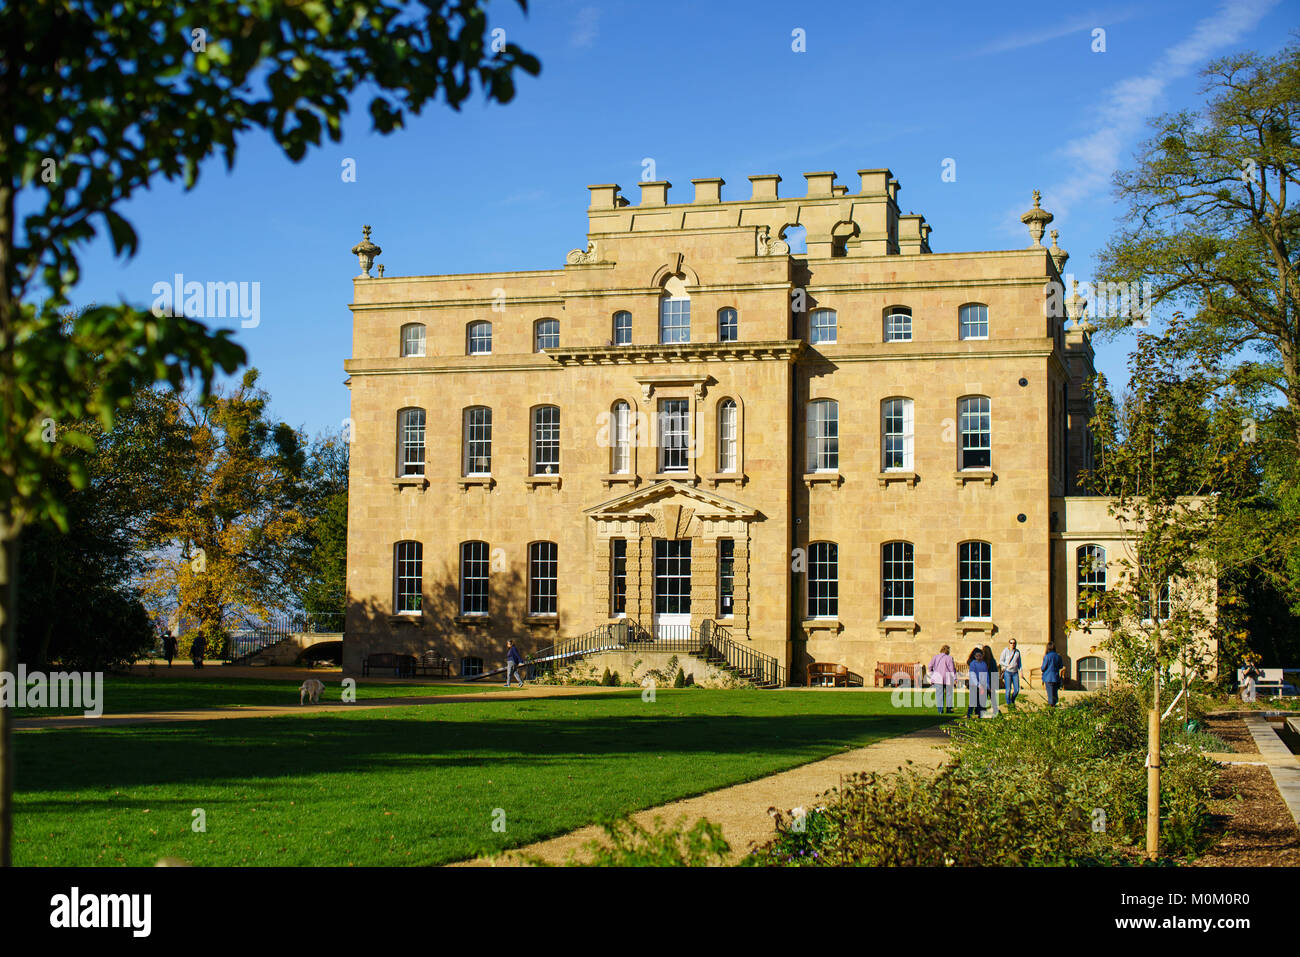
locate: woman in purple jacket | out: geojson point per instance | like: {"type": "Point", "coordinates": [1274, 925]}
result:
{"type": "Point", "coordinates": [943, 674]}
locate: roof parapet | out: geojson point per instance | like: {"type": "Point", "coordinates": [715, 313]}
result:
{"type": "Point", "coordinates": [765, 186]}
{"type": "Point", "coordinates": [708, 190]}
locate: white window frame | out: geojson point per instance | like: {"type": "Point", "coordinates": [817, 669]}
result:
{"type": "Point", "coordinates": [823, 431]}
{"type": "Point", "coordinates": [896, 431]}
{"type": "Point", "coordinates": [728, 440]}
{"type": "Point", "coordinates": [617, 577]}
{"type": "Point", "coordinates": [408, 578]}
{"type": "Point", "coordinates": [674, 320]}
{"type": "Point", "coordinates": [411, 447]}
{"type": "Point", "coordinates": [475, 567]}
{"type": "Point", "coordinates": [728, 325]}
{"type": "Point", "coordinates": [897, 571]}
{"type": "Point", "coordinates": [674, 442]}
{"type": "Point", "coordinates": [823, 591]}
{"type": "Point", "coordinates": [973, 316]}
{"type": "Point", "coordinates": [1085, 665]}
{"type": "Point", "coordinates": [1093, 580]}
{"type": "Point", "coordinates": [539, 335]}
{"type": "Point", "coordinates": [622, 329]}
{"type": "Point", "coordinates": [726, 581]}
{"type": "Point", "coordinates": [545, 432]}
{"type": "Point", "coordinates": [970, 409]}
{"type": "Point", "coordinates": [898, 324]}
{"type": "Point", "coordinates": [967, 598]}
{"type": "Point", "coordinates": [620, 452]}
{"type": "Point", "coordinates": [478, 440]}
{"type": "Point", "coordinates": [818, 326]}
{"type": "Point", "coordinates": [476, 343]}
{"type": "Point", "coordinates": [413, 340]}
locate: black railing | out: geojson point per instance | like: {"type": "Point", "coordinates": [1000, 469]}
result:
{"type": "Point", "coordinates": [265, 634]}
{"type": "Point", "coordinates": [710, 642]}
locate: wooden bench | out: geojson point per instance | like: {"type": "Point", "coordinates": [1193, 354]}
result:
{"type": "Point", "coordinates": [824, 673]}
{"type": "Point", "coordinates": [432, 663]}
{"type": "Point", "coordinates": [889, 670]}
{"type": "Point", "coordinates": [1270, 678]}
{"type": "Point", "coordinates": [402, 665]}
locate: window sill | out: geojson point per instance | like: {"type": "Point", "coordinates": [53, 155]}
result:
{"type": "Point", "coordinates": [823, 478]}
{"type": "Point", "coordinates": [620, 478]}
{"type": "Point", "coordinates": [466, 481]}
{"type": "Point", "coordinates": [966, 476]}
{"type": "Point", "coordinates": [406, 619]}
{"type": "Point", "coordinates": [532, 481]}
{"type": "Point", "coordinates": [974, 626]}
{"type": "Point", "coordinates": [719, 478]}
{"type": "Point", "coordinates": [830, 626]}
{"type": "Point", "coordinates": [411, 481]}
{"type": "Point", "coordinates": [474, 620]}
{"type": "Point", "coordinates": [542, 621]}
{"type": "Point", "coordinates": [907, 478]}
{"type": "Point", "coordinates": [897, 628]}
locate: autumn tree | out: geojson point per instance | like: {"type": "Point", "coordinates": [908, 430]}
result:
{"type": "Point", "coordinates": [99, 100]}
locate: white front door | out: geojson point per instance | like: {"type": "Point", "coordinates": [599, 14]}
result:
{"type": "Point", "coordinates": [672, 588]}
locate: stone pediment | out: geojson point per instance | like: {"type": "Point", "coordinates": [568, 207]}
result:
{"type": "Point", "coordinates": [675, 503]}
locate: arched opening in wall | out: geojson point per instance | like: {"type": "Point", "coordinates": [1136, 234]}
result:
{"type": "Point", "coordinates": [797, 238]}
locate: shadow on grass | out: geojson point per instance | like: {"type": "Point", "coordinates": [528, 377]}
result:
{"type": "Point", "coordinates": [268, 748]}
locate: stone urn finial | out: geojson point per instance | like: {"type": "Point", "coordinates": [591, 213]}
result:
{"type": "Point", "coordinates": [1077, 306]}
{"type": "Point", "coordinates": [365, 251]}
{"type": "Point", "coordinates": [1059, 255]}
{"type": "Point", "coordinates": [1037, 219]}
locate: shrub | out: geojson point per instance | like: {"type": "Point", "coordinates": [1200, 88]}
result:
{"type": "Point", "coordinates": [606, 679]}
{"type": "Point", "coordinates": [628, 844]}
{"type": "Point", "coordinates": [680, 680]}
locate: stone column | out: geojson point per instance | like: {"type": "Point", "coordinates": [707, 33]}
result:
{"type": "Point", "coordinates": [704, 579]}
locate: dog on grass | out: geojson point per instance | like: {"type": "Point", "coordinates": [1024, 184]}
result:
{"type": "Point", "coordinates": [310, 690]}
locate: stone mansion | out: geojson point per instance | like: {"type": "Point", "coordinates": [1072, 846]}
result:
{"type": "Point", "coordinates": [853, 454]}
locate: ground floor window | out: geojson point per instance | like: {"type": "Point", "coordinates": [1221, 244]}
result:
{"type": "Point", "coordinates": [470, 667]}
{"type": "Point", "coordinates": [618, 577]}
{"type": "Point", "coordinates": [1092, 673]}
{"type": "Point", "coordinates": [823, 580]}
{"type": "Point", "coordinates": [896, 580]}
{"type": "Point", "coordinates": [975, 569]}
{"type": "Point", "coordinates": [542, 565]}
{"type": "Point", "coordinates": [474, 578]}
{"type": "Point", "coordinates": [409, 573]}
{"type": "Point", "coordinates": [726, 577]}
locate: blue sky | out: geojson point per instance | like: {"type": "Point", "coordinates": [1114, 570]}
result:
{"type": "Point", "coordinates": [1012, 92]}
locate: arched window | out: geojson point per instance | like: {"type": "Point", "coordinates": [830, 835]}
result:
{"type": "Point", "coordinates": [823, 580]}
{"type": "Point", "coordinates": [413, 339]}
{"type": "Point", "coordinates": [728, 325]}
{"type": "Point", "coordinates": [543, 564]}
{"type": "Point", "coordinates": [975, 574]}
{"type": "Point", "coordinates": [474, 578]}
{"type": "Point", "coordinates": [546, 334]}
{"type": "Point", "coordinates": [973, 321]}
{"type": "Point", "coordinates": [823, 435]}
{"type": "Point", "coordinates": [408, 562]}
{"type": "Point", "coordinates": [1092, 673]}
{"type": "Point", "coordinates": [727, 458]}
{"type": "Point", "coordinates": [1091, 565]}
{"type": "Point", "coordinates": [478, 441]}
{"type": "Point", "coordinates": [898, 324]}
{"type": "Point", "coordinates": [821, 326]}
{"type": "Point", "coordinates": [622, 328]}
{"type": "Point", "coordinates": [896, 580]}
{"type": "Point", "coordinates": [410, 442]}
{"type": "Point", "coordinates": [478, 339]}
{"type": "Point", "coordinates": [546, 440]}
{"type": "Point", "coordinates": [975, 422]}
{"type": "Point", "coordinates": [896, 434]}
{"type": "Point", "coordinates": [620, 453]}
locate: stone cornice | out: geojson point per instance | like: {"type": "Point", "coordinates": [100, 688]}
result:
{"type": "Point", "coordinates": [784, 350]}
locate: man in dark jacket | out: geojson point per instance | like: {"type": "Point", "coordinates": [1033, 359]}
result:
{"type": "Point", "coordinates": [1053, 666]}
{"type": "Point", "coordinates": [169, 647]}
{"type": "Point", "coordinates": [514, 660]}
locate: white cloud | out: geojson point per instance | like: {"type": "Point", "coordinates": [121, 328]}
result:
{"type": "Point", "coordinates": [1019, 41]}
{"type": "Point", "coordinates": [586, 27]}
{"type": "Point", "coordinates": [1119, 119]}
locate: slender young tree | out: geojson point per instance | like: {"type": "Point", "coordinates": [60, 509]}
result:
{"type": "Point", "coordinates": [99, 99]}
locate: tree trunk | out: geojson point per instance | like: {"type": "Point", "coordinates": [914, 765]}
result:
{"type": "Point", "coordinates": [9, 533]}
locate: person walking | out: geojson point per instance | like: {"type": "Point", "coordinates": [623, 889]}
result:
{"type": "Point", "coordinates": [977, 683]}
{"type": "Point", "coordinates": [197, 649]}
{"type": "Point", "coordinates": [1009, 662]}
{"type": "Point", "coordinates": [1249, 677]}
{"type": "Point", "coordinates": [993, 682]}
{"type": "Point", "coordinates": [514, 660]}
{"type": "Point", "coordinates": [1053, 666]}
{"type": "Point", "coordinates": [169, 647]}
{"type": "Point", "coordinates": [943, 673]}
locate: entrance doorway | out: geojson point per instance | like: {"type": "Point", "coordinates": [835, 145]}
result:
{"type": "Point", "coordinates": [672, 588]}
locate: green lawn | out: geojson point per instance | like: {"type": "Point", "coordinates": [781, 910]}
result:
{"type": "Point", "coordinates": [414, 785]}
{"type": "Point", "coordinates": [126, 694]}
